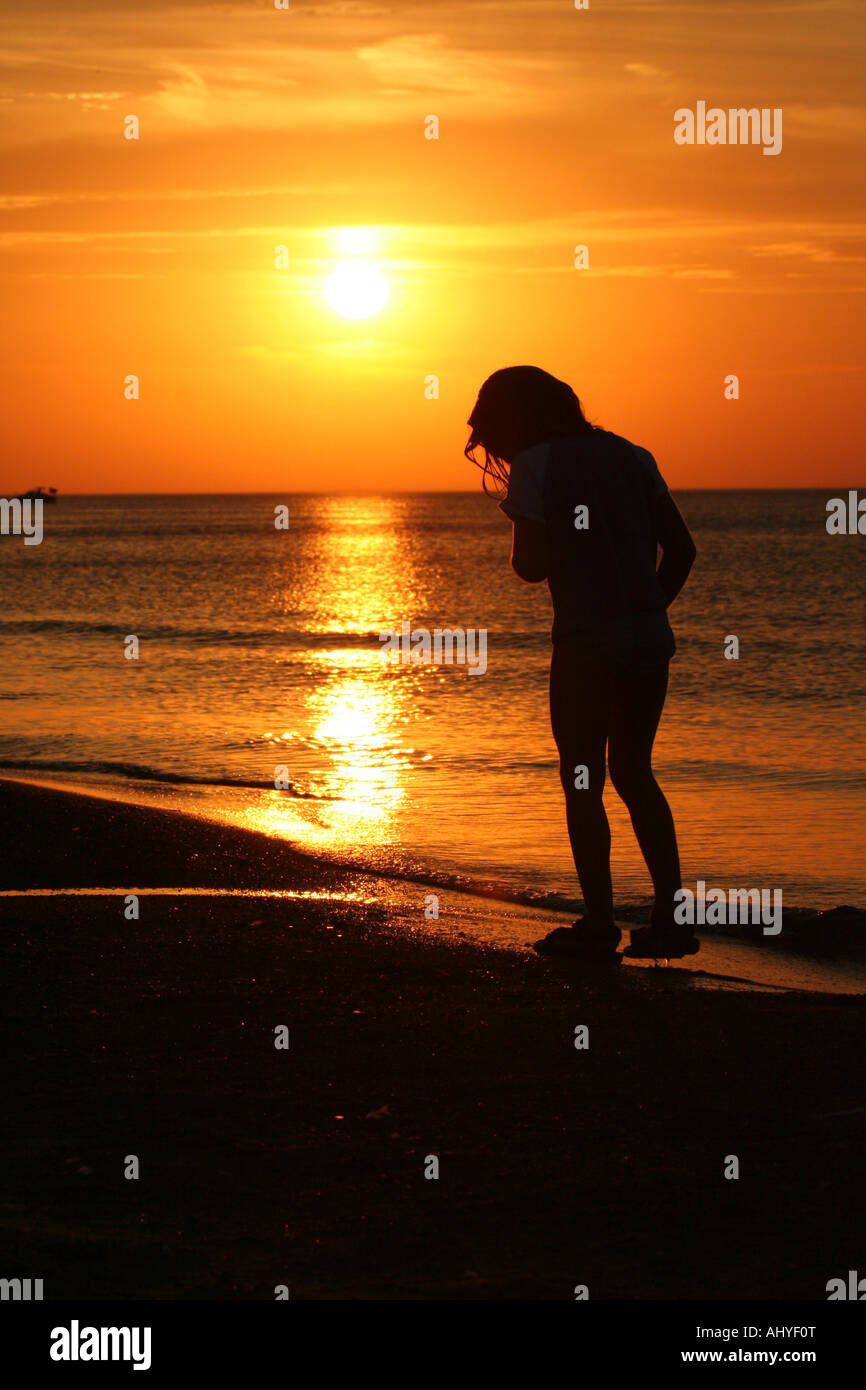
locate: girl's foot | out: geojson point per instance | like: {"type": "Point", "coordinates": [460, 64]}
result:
{"type": "Point", "coordinates": [582, 941]}
{"type": "Point", "coordinates": [662, 943]}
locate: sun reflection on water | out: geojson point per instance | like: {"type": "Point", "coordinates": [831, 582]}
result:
{"type": "Point", "coordinates": [350, 750]}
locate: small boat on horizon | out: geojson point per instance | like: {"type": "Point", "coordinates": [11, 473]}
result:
{"type": "Point", "coordinates": [42, 494]}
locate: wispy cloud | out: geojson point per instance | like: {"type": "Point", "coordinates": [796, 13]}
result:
{"type": "Point", "coordinates": [647, 70]}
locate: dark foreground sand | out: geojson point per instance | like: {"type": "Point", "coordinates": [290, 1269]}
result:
{"type": "Point", "coordinates": [261, 1167]}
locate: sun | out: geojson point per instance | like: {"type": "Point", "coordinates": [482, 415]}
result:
{"type": "Point", "coordinates": [356, 290]}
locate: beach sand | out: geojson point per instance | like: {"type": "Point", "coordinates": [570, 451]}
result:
{"type": "Point", "coordinates": [258, 1167]}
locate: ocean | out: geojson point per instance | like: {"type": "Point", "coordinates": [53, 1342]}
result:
{"type": "Point", "coordinates": [259, 657]}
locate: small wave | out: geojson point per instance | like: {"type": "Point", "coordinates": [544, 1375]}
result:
{"type": "Point", "coordinates": [237, 637]}
{"type": "Point", "coordinates": [742, 774]}
{"type": "Point", "coordinates": [168, 632]}
{"type": "Point", "coordinates": [140, 773]}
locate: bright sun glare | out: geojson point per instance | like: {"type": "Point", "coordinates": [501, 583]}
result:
{"type": "Point", "coordinates": [356, 290]}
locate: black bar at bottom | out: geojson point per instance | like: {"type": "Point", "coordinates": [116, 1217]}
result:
{"type": "Point", "coordinates": [224, 1339]}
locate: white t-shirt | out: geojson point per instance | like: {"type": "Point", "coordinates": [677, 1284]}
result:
{"type": "Point", "coordinates": [525, 496]}
{"type": "Point", "coordinates": [595, 495]}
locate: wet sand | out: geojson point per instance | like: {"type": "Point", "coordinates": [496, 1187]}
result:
{"type": "Point", "coordinates": [305, 1167]}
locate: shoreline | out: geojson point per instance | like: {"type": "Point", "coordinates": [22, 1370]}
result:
{"type": "Point", "coordinates": [201, 852]}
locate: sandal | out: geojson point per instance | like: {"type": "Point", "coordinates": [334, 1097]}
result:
{"type": "Point", "coordinates": [581, 942]}
{"type": "Point", "coordinates": [662, 943]}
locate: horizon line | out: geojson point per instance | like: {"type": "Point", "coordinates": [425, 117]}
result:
{"type": "Point", "coordinates": [422, 492]}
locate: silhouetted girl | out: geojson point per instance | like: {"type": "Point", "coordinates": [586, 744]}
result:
{"type": "Point", "coordinates": [589, 511]}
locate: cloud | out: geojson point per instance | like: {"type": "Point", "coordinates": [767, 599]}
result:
{"type": "Point", "coordinates": [14, 201]}
{"type": "Point", "coordinates": [806, 251]}
{"type": "Point", "coordinates": [487, 81]}
{"type": "Point", "coordinates": [647, 70]}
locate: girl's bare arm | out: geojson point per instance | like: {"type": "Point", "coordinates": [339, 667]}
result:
{"type": "Point", "coordinates": [678, 548]}
{"type": "Point", "coordinates": [529, 550]}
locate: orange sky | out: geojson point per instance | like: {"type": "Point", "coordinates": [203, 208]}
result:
{"type": "Point", "coordinates": [260, 127]}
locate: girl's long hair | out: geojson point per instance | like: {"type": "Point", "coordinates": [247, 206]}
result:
{"type": "Point", "coordinates": [545, 406]}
